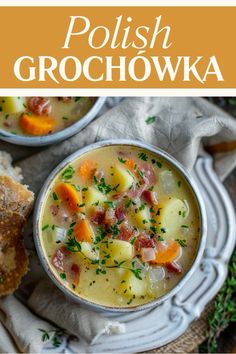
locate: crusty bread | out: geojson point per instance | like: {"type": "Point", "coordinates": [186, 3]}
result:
{"type": "Point", "coordinates": [6, 168]}
{"type": "Point", "coordinates": [13, 265]}
{"type": "Point", "coordinates": [16, 203]}
{"type": "Point", "coordinates": [15, 197]}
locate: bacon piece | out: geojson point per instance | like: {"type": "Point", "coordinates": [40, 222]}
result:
{"type": "Point", "coordinates": [99, 174]}
{"type": "Point", "coordinates": [65, 99]}
{"type": "Point", "coordinates": [120, 213]}
{"type": "Point", "coordinates": [143, 241]}
{"type": "Point", "coordinates": [126, 232]}
{"type": "Point", "coordinates": [40, 106]}
{"type": "Point", "coordinates": [150, 197]}
{"type": "Point", "coordinates": [174, 267]}
{"type": "Point", "coordinates": [73, 274]}
{"type": "Point", "coordinates": [98, 215]}
{"type": "Point", "coordinates": [54, 209]}
{"type": "Point", "coordinates": [110, 217]}
{"type": "Point", "coordinates": [148, 173]}
{"type": "Point", "coordinates": [7, 124]}
{"type": "Point", "coordinates": [59, 257]}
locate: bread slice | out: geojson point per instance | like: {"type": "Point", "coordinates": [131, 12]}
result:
{"type": "Point", "coordinates": [16, 203]}
{"type": "Point", "coordinates": [6, 168]}
{"type": "Point", "coordinates": [13, 265]}
{"type": "Point", "coordinates": [15, 197]}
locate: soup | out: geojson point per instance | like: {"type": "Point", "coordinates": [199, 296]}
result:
{"type": "Point", "coordinates": [119, 226]}
{"type": "Point", "coordinates": [38, 116]}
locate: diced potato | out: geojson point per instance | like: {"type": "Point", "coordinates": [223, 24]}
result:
{"type": "Point", "coordinates": [130, 285]}
{"type": "Point", "coordinates": [88, 251]}
{"type": "Point", "coordinates": [141, 219]}
{"type": "Point", "coordinates": [12, 104]}
{"type": "Point", "coordinates": [117, 250]}
{"type": "Point", "coordinates": [92, 196]}
{"type": "Point", "coordinates": [171, 215]}
{"type": "Point", "coordinates": [121, 178]}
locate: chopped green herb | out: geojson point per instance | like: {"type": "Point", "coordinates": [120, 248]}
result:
{"type": "Point", "coordinates": [143, 156]}
{"type": "Point", "coordinates": [159, 164]}
{"type": "Point", "coordinates": [185, 226]}
{"type": "Point", "coordinates": [54, 195]}
{"type": "Point", "coordinates": [150, 120]}
{"type": "Point", "coordinates": [63, 276]}
{"type": "Point", "coordinates": [182, 243]}
{"type": "Point", "coordinates": [45, 227]}
{"type": "Point", "coordinates": [68, 173]}
{"type": "Point", "coordinates": [121, 160]}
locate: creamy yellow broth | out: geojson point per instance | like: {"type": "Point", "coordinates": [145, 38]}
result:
{"type": "Point", "coordinates": [62, 112]}
{"type": "Point", "coordinates": [123, 263]}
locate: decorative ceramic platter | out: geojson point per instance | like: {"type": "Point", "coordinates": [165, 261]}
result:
{"type": "Point", "coordinates": [156, 327]}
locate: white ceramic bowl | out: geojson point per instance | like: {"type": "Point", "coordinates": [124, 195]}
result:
{"type": "Point", "coordinates": [159, 153]}
{"type": "Point", "coordinates": [58, 136]}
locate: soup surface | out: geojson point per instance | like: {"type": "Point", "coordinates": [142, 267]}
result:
{"type": "Point", "coordinates": [119, 226]}
{"type": "Point", "coordinates": [37, 116]}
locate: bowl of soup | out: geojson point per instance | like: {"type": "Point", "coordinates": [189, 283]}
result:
{"type": "Point", "coordinates": [37, 121]}
{"type": "Point", "coordinates": [120, 225]}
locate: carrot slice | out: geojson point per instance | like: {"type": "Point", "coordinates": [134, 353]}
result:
{"type": "Point", "coordinates": [83, 231]}
{"type": "Point", "coordinates": [67, 193]}
{"type": "Point", "coordinates": [168, 254]}
{"type": "Point", "coordinates": [37, 125]}
{"type": "Point", "coordinates": [87, 169]}
{"type": "Point", "coordinates": [130, 164]}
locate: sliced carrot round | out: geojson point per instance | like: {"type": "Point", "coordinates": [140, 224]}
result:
{"type": "Point", "coordinates": [87, 169]}
{"type": "Point", "coordinates": [67, 193]}
{"type": "Point", "coordinates": [37, 125]}
{"type": "Point", "coordinates": [83, 231]}
{"type": "Point", "coordinates": [168, 254]}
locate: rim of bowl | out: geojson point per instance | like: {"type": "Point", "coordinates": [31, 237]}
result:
{"type": "Point", "coordinates": [193, 187]}
{"type": "Point", "coordinates": [58, 136]}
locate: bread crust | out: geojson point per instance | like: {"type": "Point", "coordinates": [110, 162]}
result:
{"type": "Point", "coordinates": [15, 197]}
{"type": "Point", "coordinates": [16, 203]}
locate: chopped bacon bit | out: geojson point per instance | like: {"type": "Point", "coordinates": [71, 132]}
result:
{"type": "Point", "coordinates": [110, 217]}
{"type": "Point", "coordinates": [65, 99]}
{"type": "Point", "coordinates": [150, 197]}
{"type": "Point", "coordinates": [39, 106]}
{"type": "Point", "coordinates": [144, 241]}
{"type": "Point", "coordinates": [7, 124]}
{"type": "Point", "coordinates": [58, 260]}
{"type": "Point", "coordinates": [98, 215]}
{"type": "Point", "coordinates": [148, 173]}
{"type": "Point", "coordinates": [126, 232]}
{"type": "Point", "coordinates": [54, 209]}
{"type": "Point", "coordinates": [73, 274]}
{"type": "Point", "coordinates": [174, 267]}
{"type": "Point", "coordinates": [120, 213]}
{"type": "Point", "coordinates": [99, 174]}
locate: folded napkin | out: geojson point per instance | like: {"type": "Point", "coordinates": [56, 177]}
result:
{"type": "Point", "coordinates": [178, 125]}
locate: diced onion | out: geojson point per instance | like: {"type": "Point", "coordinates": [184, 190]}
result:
{"type": "Point", "coordinates": [156, 274]}
{"type": "Point", "coordinates": [60, 234]}
{"type": "Point", "coordinates": [167, 181]}
{"type": "Point", "coordinates": [148, 254]}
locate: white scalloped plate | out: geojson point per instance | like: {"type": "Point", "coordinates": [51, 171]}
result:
{"type": "Point", "coordinates": [154, 328]}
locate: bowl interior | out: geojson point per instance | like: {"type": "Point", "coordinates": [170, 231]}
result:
{"type": "Point", "coordinates": [159, 153]}
{"type": "Point", "coordinates": [59, 135]}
